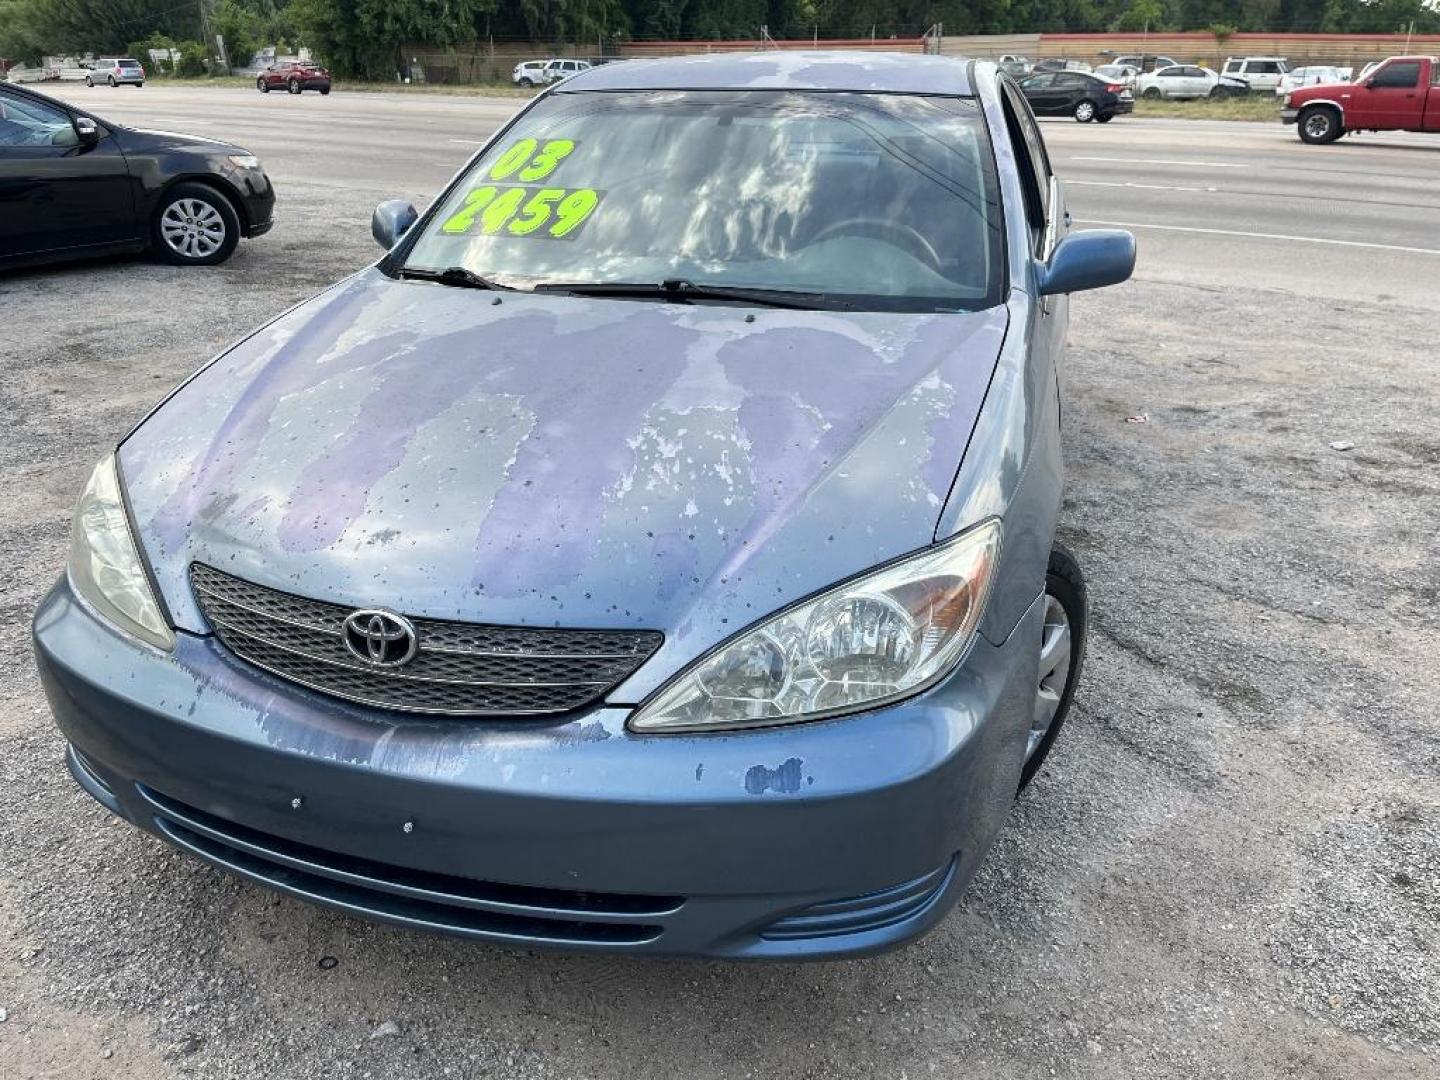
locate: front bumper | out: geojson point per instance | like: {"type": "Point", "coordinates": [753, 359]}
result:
{"type": "Point", "coordinates": [844, 837]}
{"type": "Point", "coordinates": [1289, 116]}
{"type": "Point", "coordinates": [258, 194]}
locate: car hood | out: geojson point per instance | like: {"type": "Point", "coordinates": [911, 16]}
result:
{"type": "Point", "coordinates": [534, 459]}
{"type": "Point", "coordinates": [148, 139]}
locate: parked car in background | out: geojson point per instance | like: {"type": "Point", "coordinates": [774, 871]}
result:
{"type": "Point", "coordinates": [1366, 70]}
{"type": "Point", "coordinates": [407, 627]}
{"type": "Point", "coordinates": [559, 70]}
{"type": "Point", "coordinates": [1118, 73]}
{"type": "Point", "coordinates": [1257, 72]}
{"type": "Point", "coordinates": [1058, 64]}
{"type": "Point", "coordinates": [1015, 65]}
{"type": "Point", "coordinates": [1309, 76]}
{"type": "Point", "coordinates": [1144, 62]}
{"type": "Point", "coordinates": [1074, 93]}
{"type": "Point", "coordinates": [529, 73]}
{"type": "Point", "coordinates": [115, 72]}
{"type": "Point", "coordinates": [75, 186]}
{"type": "Point", "coordinates": [294, 76]}
{"type": "Point", "coordinates": [1181, 81]}
{"type": "Point", "coordinates": [1401, 94]}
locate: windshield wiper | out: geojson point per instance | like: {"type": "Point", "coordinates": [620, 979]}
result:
{"type": "Point", "coordinates": [678, 290]}
{"type": "Point", "coordinates": [453, 275]}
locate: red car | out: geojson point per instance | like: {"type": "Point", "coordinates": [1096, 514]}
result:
{"type": "Point", "coordinates": [295, 76]}
{"type": "Point", "coordinates": [1402, 94]}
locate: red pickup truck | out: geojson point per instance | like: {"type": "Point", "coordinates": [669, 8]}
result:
{"type": "Point", "coordinates": [1402, 94]}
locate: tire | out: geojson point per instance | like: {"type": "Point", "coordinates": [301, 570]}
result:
{"type": "Point", "coordinates": [295, 87]}
{"type": "Point", "coordinates": [1066, 604]}
{"type": "Point", "coordinates": [89, 81]}
{"type": "Point", "coordinates": [1152, 93]}
{"type": "Point", "coordinates": [1219, 93]}
{"type": "Point", "coordinates": [139, 85]}
{"type": "Point", "coordinates": [1319, 124]}
{"type": "Point", "coordinates": [262, 86]}
{"type": "Point", "coordinates": [112, 80]}
{"type": "Point", "coordinates": [1104, 118]}
{"type": "Point", "coordinates": [176, 240]}
{"type": "Point", "coordinates": [527, 83]}
{"type": "Point", "coordinates": [324, 91]}
{"type": "Point", "coordinates": [1084, 110]}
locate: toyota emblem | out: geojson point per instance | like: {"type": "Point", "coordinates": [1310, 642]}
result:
{"type": "Point", "coordinates": [380, 638]}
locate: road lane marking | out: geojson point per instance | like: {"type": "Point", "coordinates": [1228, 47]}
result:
{"type": "Point", "coordinates": [1131, 184]}
{"type": "Point", "coordinates": [1166, 161]}
{"type": "Point", "coordinates": [469, 142]}
{"type": "Point", "coordinates": [1262, 236]}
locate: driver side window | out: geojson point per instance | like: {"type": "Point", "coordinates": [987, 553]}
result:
{"type": "Point", "coordinates": [27, 124]}
{"type": "Point", "coordinates": [1034, 167]}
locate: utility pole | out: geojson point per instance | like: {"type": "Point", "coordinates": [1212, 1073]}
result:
{"type": "Point", "coordinates": [205, 31]}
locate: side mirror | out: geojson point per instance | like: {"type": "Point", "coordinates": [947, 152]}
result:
{"type": "Point", "coordinates": [391, 220]}
{"type": "Point", "coordinates": [86, 130]}
{"type": "Point", "coordinates": [1087, 260]}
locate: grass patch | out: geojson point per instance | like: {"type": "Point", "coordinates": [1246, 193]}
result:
{"type": "Point", "coordinates": [1261, 106]}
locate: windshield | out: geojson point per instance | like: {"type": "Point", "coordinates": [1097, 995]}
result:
{"type": "Point", "coordinates": [873, 201]}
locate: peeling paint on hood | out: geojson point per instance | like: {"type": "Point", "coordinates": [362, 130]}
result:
{"type": "Point", "coordinates": [554, 460]}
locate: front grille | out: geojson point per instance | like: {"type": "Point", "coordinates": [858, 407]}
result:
{"type": "Point", "coordinates": [458, 668]}
{"type": "Point", "coordinates": [417, 898]}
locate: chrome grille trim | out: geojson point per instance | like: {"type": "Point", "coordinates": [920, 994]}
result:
{"type": "Point", "coordinates": [459, 669]}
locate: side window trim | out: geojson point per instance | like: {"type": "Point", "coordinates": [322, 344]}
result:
{"type": "Point", "coordinates": [1037, 176]}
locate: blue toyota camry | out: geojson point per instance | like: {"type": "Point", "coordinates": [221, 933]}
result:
{"type": "Point", "coordinates": [653, 552]}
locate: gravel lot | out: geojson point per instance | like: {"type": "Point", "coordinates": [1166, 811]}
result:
{"type": "Point", "coordinates": [1230, 868]}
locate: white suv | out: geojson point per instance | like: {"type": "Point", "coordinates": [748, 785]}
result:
{"type": "Point", "coordinates": [556, 70]}
{"type": "Point", "coordinates": [1261, 72]}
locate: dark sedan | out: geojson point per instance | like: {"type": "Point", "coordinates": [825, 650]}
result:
{"type": "Point", "coordinates": [75, 186]}
{"type": "Point", "coordinates": [1073, 93]}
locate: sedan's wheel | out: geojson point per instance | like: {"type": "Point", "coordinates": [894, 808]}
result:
{"type": "Point", "coordinates": [1320, 124]}
{"type": "Point", "coordinates": [89, 81]}
{"type": "Point", "coordinates": [195, 226]}
{"type": "Point", "coordinates": [1062, 653]}
{"type": "Point", "coordinates": [1104, 118]}
{"type": "Point", "coordinates": [294, 86]}
{"type": "Point", "coordinates": [262, 86]}
{"type": "Point", "coordinates": [1219, 93]}
{"type": "Point", "coordinates": [324, 90]}
{"type": "Point", "coordinates": [1152, 92]}
{"type": "Point", "coordinates": [1085, 111]}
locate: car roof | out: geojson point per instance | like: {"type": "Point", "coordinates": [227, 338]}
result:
{"type": "Point", "coordinates": [879, 72]}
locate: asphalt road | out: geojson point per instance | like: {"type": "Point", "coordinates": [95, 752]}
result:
{"type": "Point", "coordinates": [1230, 866]}
{"type": "Point", "coordinates": [1211, 201]}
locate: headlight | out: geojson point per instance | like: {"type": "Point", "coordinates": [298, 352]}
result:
{"type": "Point", "coordinates": [105, 568]}
{"type": "Point", "coordinates": [874, 640]}
{"type": "Point", "coordinates": [1286, 103]}
{"type": "Point", "coordinates": [245, 161]}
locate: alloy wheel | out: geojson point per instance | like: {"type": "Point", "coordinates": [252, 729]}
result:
{"type": "Point", "coordinates": [1055, 645]}
{"type": "Point", "coordinates": [1317, 124]}
{"type": "Point", "coordinates": [192, 228]}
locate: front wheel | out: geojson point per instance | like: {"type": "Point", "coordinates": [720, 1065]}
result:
{"type": "Point", "coordinates": [195, 226]}
{"type": "Point", "coordinates": [527, 83]}
{"type": "Point", "coordinates": [89, 81]}
{"type": "Point", "coordinates": [324, 91]}
{"type": "Point", "coordinates": [1152, 93]}
{"type": "Point", "coordinates": [262, 86]}
{"type": "Point", "coordinates": [112, 80]}
{"type": "Point", "coordinates": [1062, 655]}
{"type": "Point", "coordinates": [1219, 93]}
{"type": "Point", "coordinates": [1320, 124]}
{"type": "Point", "coordinates": [1104, 118]}
{"type": "Point", "coordinates": [295, 86]}
{"type": "Point", "coordinates": [1085, 111]}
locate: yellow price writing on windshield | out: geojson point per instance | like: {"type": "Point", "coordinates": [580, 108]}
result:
{"type": "Point", "coordinates": [528, 160]}
{"type": "Point", "coordinates": [537, 212]}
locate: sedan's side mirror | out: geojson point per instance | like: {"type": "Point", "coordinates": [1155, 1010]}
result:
{"type": "Point", "coordinates": [1091, 259]}
{"type": "Point", "coordinates": [391, 220]}
{"type": "Point", "coordinates": [86, 130]}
